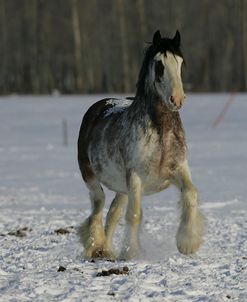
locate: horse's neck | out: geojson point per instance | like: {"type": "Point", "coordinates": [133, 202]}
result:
{"type": "Point", "coordinates": [152, 109]}
{"type": "Point", "coordinates": [148, 102]}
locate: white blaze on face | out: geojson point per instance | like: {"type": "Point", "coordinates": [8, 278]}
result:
{"type": "Point", "coordinates": [171, 79]}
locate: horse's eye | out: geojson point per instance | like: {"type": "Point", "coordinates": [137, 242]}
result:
{"type": "Point", "coordinates": [159, 70]}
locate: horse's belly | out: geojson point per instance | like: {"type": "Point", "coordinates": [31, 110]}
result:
{"type": "Point", "coordinates": [111, 176]}
{"type": "Point", "coordinates": [114, 182]}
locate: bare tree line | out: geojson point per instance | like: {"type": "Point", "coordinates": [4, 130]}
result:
{"type": "Point", "coordinates": [81, 46]}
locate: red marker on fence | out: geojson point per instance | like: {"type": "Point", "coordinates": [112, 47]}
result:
{"type": "Point", "coordinates": [222, 114]}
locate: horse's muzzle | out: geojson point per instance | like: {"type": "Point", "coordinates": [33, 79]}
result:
{"type": "Point", "coordinates": [177, 101]}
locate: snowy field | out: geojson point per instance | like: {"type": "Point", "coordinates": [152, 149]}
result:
{"type": "Point", "coordinates": [43, 201]}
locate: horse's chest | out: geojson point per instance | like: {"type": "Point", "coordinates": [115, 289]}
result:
{"type": "Point", "coordinates": [156, 158]}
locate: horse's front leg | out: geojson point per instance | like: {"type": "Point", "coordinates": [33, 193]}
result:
{"type": "Point", "coordinates": [190, 231]}
{"type": "Point", "coordinates": [133, 218]}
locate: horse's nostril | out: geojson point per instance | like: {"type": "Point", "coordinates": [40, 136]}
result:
{"type": "Point", "coordinates": [172, 99]}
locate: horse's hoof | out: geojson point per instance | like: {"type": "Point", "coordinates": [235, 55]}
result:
{"type": "Point", "coordinates": [128, 254]}
{"type": "Point", "coordinates": [190, 236]}
{"type": "Point", "coordinates": [188, 249]}
{"type": "Point", "coordinates": [100, 253]}
{"type": "Point", "coordinates": [187, 243]}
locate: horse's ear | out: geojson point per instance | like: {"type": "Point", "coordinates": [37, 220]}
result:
{"type": "Point", "coordinates": [176, 39]}
{"type": "Point", "coordinates": [156, 38]}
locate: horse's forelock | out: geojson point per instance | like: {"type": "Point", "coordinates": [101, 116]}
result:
{"type": "Point", "coordinates": [168, 45]}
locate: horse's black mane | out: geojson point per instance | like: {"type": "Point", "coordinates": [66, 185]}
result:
{"type": "Point", "coordinates": [165, 44]}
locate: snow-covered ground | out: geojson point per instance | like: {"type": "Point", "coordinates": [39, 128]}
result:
{"type": "Point", "coordinates": [42, 195]}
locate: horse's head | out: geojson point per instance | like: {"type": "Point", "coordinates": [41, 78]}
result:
{"type": "Point", "coordinates": [166, 70]}
{"type": "Point", "coordinates": [161, 71]}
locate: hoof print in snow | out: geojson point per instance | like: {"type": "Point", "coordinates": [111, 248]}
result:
{"type": "Point", "coordinates": [126, 269]}
{"type": "Point", "coordinates": [61, 269]}
{"type": "Point", "coordinates": [111, 294]}
{"type": "Point", "coordinates": [110, 260]}
{"type": "Point", "coordinates": [228, 296]}
{"type": "Point", "coordinates": [20, 232]}
{"type": "Point", "coordinates": [62, 231]}
{"type": "Point", "coordinates": [114, 271]}
{"type": "Point", "coordinates": [78, 270]}
{"type": "Point", "coordinates": [91, 260]}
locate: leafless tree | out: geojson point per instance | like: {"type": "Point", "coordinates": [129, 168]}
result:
{"type": "Point", "coordinates": [94, 46]}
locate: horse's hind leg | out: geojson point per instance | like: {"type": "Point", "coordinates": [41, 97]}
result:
{"type": "Point", "coordinates": [114, 214]}
{"type": "Point", "coordinates": [190, 231]}
{"type": "Point", "coordinates": [92, 232]}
